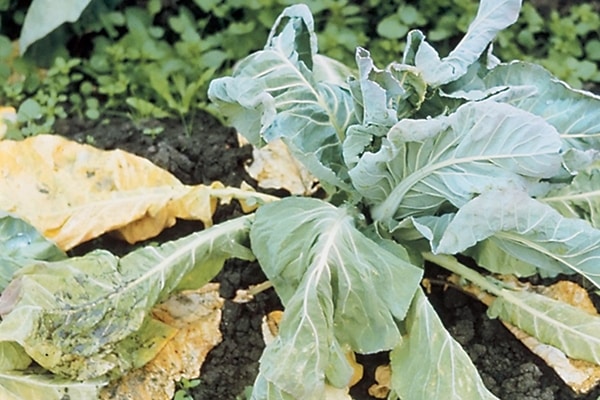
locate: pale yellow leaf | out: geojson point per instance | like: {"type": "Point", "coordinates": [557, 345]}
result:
{"type": "Point", "coordinates": [274, 167]}
{"type": "Point", "coordinates": [73, 192]}
{"type": "Point", "coordinates": [196, 315]}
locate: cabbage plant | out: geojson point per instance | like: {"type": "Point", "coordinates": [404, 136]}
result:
{"type": "Point", "coordinates": [428, 158]}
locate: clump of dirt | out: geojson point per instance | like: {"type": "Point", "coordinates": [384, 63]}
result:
{"type": "Point", "coordinates": [210, 152]}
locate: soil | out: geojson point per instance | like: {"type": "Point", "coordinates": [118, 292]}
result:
{"type": "Point", "coordinates": [210, 152]}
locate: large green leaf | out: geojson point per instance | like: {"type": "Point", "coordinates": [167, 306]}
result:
{"type": "Point", "coordinates": [22, 386]}
{"type": "Point", "coordinates": [492, 17]}
{"type": "Point", "coordinates": [44, 16]}
{"type": "Point", "coordinates": [526, 229]}
{"type": "Point", "coordinates": [580, 198]}
{"type": "Point", "coordinates": [21, 243]}
{"type": "Point", "coordinates": [76, 317]}
{"type": "Point", "coordinates": [489, 254]}
{"type": "Point", "coordinates": [339, 288]}
{"type": "Point", "coordinates": [574, 113]}
{"type": "Point", "coordinates": [430, 364]}
{"type": "Point", "coordinates": [288, 91]}
{"type": "Point", "coordinates": [425, 164]}
{"type": "Point", "coordinates": [571, 329]}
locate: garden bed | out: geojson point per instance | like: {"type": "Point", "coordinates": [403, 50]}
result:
{"type": "Point", "coordinates": [211, 152]}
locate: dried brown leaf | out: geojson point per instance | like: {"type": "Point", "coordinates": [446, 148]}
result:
{"type": "Point", "coordinates": [274, 167]}
{"type": "Point", "coordinates": [383, 377]}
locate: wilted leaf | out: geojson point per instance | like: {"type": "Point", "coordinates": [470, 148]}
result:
{"type": "Point", "coordinates": [288, 91]}
{"type": "Point", "coordinates": [492, 16]}
{"type": "Point", "coordinates": [581, 376]}
{"type": "Point", "coordinates": [275, 167]}
{"type": "Point", "coordinates": [525, 228]}
{"type": "Point", "coordinates": [72, 192]}
{"type": "Point", "coordinates": [196, 315]}
{"type": "Point", "coordinates": [86, 317]}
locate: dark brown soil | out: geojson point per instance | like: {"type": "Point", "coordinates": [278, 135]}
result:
{"type": "Point", "coordinates": [210, 153]}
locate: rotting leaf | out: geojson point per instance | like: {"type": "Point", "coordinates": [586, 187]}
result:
{"type": "Point", "coordinates": [82, 317]}
{"type": "Point", "coordinates": [196, 315]}
{"type": "Point", "coordinates": [73, 192]}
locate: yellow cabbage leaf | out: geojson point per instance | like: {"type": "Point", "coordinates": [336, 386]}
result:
{"type": "Point", "coordinates": [74, 192]}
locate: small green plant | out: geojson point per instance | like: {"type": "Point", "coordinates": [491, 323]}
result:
{"type": "Point", "coordinates": [430, 160]}
{"type": "Point", "coordinates": [567, 44]}
{"type": "Point", "coordinates": [183, 389]}
{"type": "Point", "coordinates": [156, 60]}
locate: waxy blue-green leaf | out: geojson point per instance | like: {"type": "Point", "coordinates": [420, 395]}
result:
{"type": "Point", "coordinates": [569, 328]}
{"type": "Point", "coordinates": [338, 287]}
{"type": "Point", "coordinates": [430, 364]}
{"type": "Point", "coordinates": [526, 229]}
{"type": "Point", "coordinates": [43, 16]}
{"type": "Point", "coordinates": [491, 255]}
{"type": "Point", "coordinates": [74, 317]}
{"type": "Point", "coordinates": [580, 198]}
{"type": "Point", "coordinates": [21, 243]}
{"type": "Point", "coordinates": [288, 91]}
{"type": "Point", "coordinates": [425, 164]}
{"type": "Point", "coordinates": [492, 16]}
{"type": "Point", "coordinates": [382, 97]}
{"type": "Point", "coordinates": [574, 113]}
